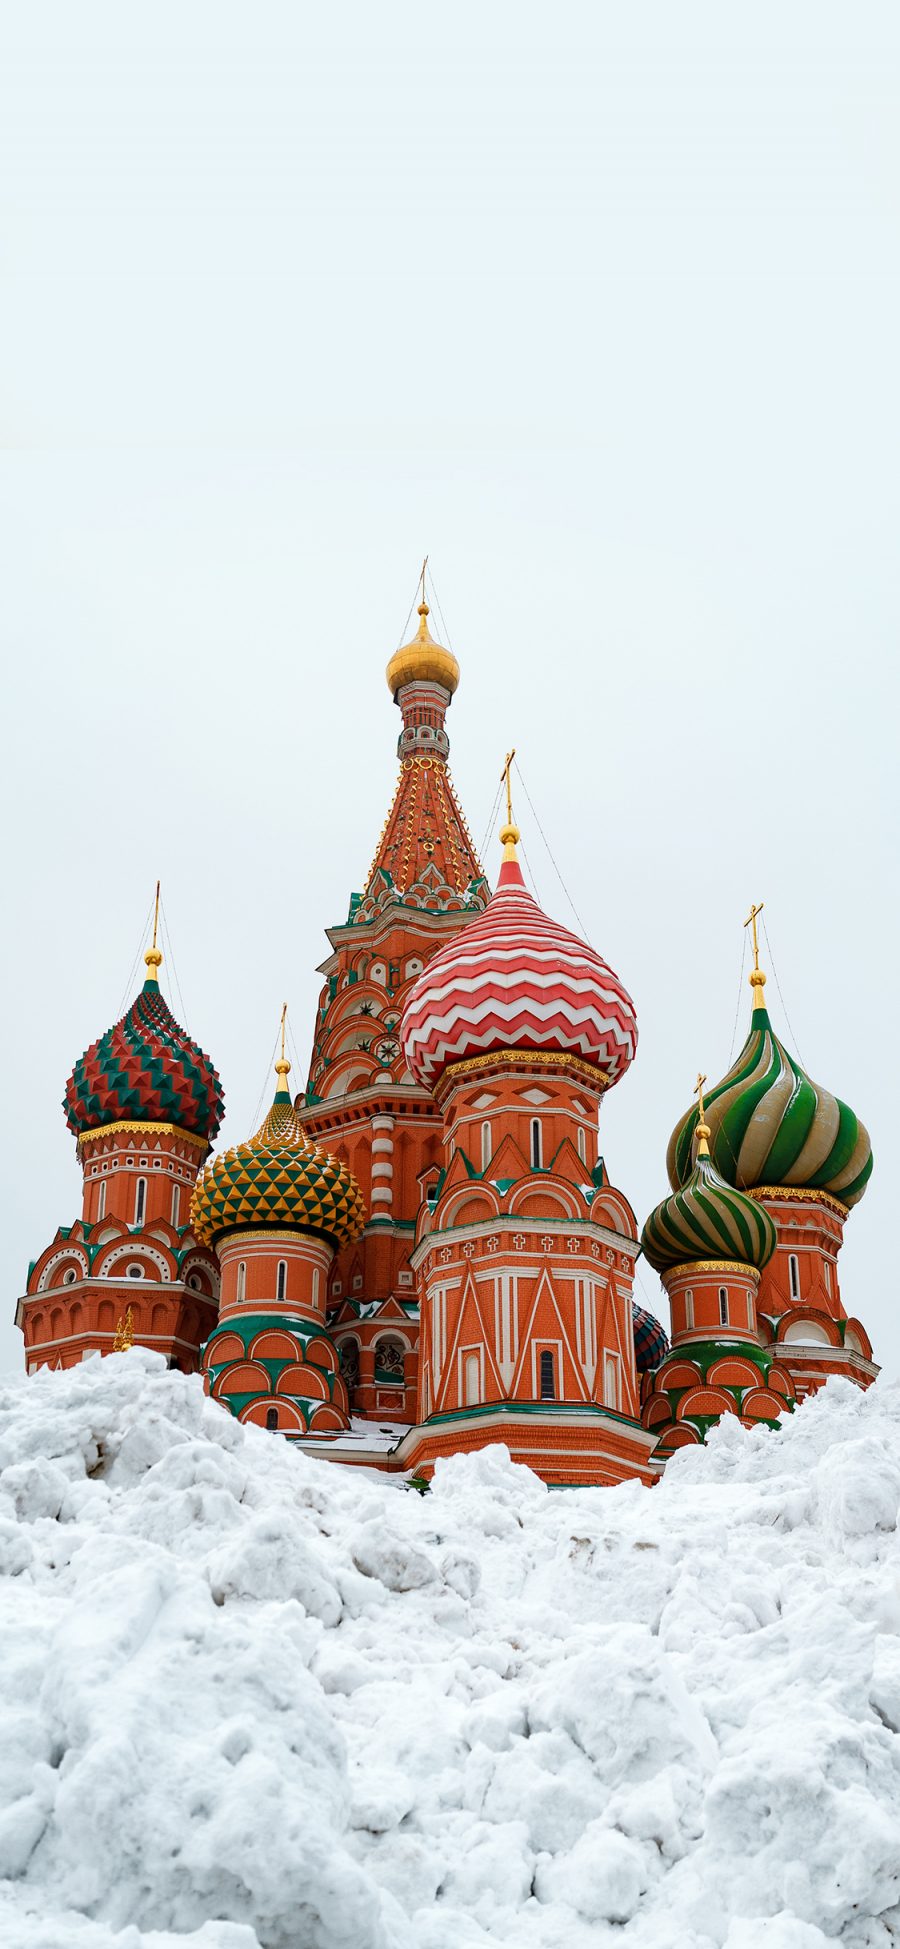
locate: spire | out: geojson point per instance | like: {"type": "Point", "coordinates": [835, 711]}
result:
{"type": "Point", "coordinates": [425, 857]}
{"type": "Point", "coordinates": [703, 1131]}
{"type": "Point", "coordinates": [510, 872]}
{"type": "Point", "coordinates": [283, 1067]}
{"type": "Point", "coordinates": [757, 978]}
{"type": "Point", "coordinates": [153, 956]}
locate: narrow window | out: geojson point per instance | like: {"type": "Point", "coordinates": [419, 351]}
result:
{"type": "Point", "coordinates": [281, 1282]}
{"type": "Point", "coordinates": [548, 1384]}
{"type": "Point", "coordinates": [101, 1200]}
{"type": "Point", "coordinates": [689, 1308]}
{"type": "Point", "coordinates": [272, 1420]}
{"type": "Point", "coordinates": [242, 1282]}
{"type": "Point", "coordinates": [723, 1306]}
{"type": "Point", "coordinates": [535, 1143]}
{"type": "Point", "coordinates": [485, 1145]}
{"type": "Point", "coordinates": [140, 1201]}
{"type": "Point", "coordinates": [176, 1201]}
{"type": "Point", "coordinates": [472, 1379]}
{"type": "Point", "coordinates": [611, 1381]}
{"type": "Point", "coordinates": [582, 1144]}
{"type": "Point", "coordinates": [794, 1270]}
{"type": "Point", "coordinates": [315, 1288]}
{"type": "Point", "coordinates": [828, 1277]}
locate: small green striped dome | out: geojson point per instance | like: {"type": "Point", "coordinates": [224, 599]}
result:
{"type": "Point", "coordinates": [770, 1125]}
{"type": "Point", "coordinates": [707, 1219]}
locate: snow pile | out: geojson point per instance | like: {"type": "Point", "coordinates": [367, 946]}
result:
{"type": "Point", "coordinates": [253, 1701]}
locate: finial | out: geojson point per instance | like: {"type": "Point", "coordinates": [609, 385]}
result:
{"type": "Point", "coordinates": [509, 833]}
{"type": "Point", "coordinates": [757, 978]}
{"type": "Point", "coordinates": [283, 1067]}
{"type": "Point", "coordinates": [124, 1332]}
{"type": "Point", "coordinates": [153, 956]}
{"type": "Point", "coordinates": [703, 1132]}
{"type": "Point", "coordinates": [423, 606]}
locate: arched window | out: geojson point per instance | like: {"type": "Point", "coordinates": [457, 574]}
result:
{"type": "Point", "coordinates": [536, 1147]}
{"type": "Point", "coordinates": [582, 1144]}
{"type": "Point", "coordinates": [348, 1357]}
{"type": "Point", "coordinates": [281, 1279]}
{"type": "Point", "coordinates": [794, 1272]}
{"type": "Point", "coordinates": [389, 1362]}
{"type": "Point", "coordinates": [723, 1306]}
{"type": "Point", "coordinates": [241, 1283]}
{"type": "Point", "coordinates": [548, 1382]}
{"type": "Point", "coordinates": [316, 1286]}
{"type": "Point", "coordinates": [828, 1277]}
{"type": "Point", "coordinates": [176, 1202]}
{"type": "Point", "coordinates": [486, 1146]}
{"type": "Point", "coordinates": [750, 1311]}
{"type": "Point", "coordinates": [101, 1200]}
{"type": "Point", "coordinates": [472, 1379]}
{"type": "Point", "coordinates": [272, 1420]}
{"type": "Point", "coordinates": [689, 1308]}
{"type": "Point", "coordinates": [140, 1200]}
{"type": "Point", "coordinates": [610, 1381]}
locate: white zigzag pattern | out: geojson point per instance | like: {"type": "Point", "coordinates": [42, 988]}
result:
{"type": "Point", "coordinates": [541, 975]}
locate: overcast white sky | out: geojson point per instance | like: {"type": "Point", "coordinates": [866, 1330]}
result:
{"type": "Point", "coordinates": [599, 305]}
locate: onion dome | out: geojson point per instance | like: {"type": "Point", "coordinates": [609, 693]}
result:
{"type": "Point", "coordinates": [423, 660]}
{"type": "Point", "coordinates": [278, 1179]}
{"type": "Point", "coordinates": [770, 1126]}
{"type": "Point", "coordinates": [707, 1219]}
{"type": "Point", "coordinates": [651, 1341]}
{"type": "Point", "coordinates": [515, 980]}
{"type": "Point", "coordinates": [145, 1069]}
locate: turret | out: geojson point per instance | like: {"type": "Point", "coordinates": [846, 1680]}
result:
{"type": "Point", "coordinates": [275, 1209]}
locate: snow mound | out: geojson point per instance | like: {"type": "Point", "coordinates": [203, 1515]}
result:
{"type": "Point", "coordinates": [257, 1701]}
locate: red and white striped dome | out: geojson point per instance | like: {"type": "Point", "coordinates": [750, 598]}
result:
{"type": "Point", "coordinates": [512, 979]}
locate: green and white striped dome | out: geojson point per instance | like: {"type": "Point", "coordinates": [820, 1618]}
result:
{"type": "Point", "coordinates": [707, 1219]}
{"type": "Point", "coordinates": [770, 1125]}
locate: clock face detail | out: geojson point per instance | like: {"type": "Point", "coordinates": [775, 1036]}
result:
{"type": "Point", "coordinates": [387, 1050]}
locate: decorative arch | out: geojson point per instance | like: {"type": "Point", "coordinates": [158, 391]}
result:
{"type": "Point", "coordinates": [531, 1199]}
{"type": "Point", "coordinates": [224, 1347]}
{"type": "Point", "coordinates": [469, 1207]}
{"type": "Point", "coordinates": [806, 1325]}
{"type": "Point", "coordinates": [273, 1343]}
{"type": "Point", "coordinates": [290, 1418]}
{"type": "Point", "coordinates": [245, 1377]}
{"type": "Point", "coordinates": [307, 1382]}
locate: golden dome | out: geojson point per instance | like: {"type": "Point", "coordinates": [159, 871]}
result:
{"type": "Point", "coordinates": [422, 660]}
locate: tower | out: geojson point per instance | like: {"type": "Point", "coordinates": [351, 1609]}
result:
{"type": "Point", "coordinates": [275, 1209]}
{"type": "Point", "coordinates": [361, 1100]}
{"type": "Point", "coordinates": [804, 1156]}
{"type": "Point", "coordinates": [709, 1243]}
{"type": "Point", "coordinates": [524, 1251]}
{"type": "Point", "coordinates": [144, 1103]}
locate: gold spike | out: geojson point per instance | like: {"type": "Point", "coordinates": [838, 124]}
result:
{"type": "Point", "coordinates": [509, 833]}
{"type": "Point", "coordinates": [703, 1131]}
{"type": "Point", "coordinates": [153, 957]}
{"type": "Point", "coordinates": [757, 978]}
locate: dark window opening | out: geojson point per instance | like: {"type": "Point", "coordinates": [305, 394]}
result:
{"type": "Point", "coordinates": [272, 1420]}
{"type": "Point", "coordinates": [548, 1385]}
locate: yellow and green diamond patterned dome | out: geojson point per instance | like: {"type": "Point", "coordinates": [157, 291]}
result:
{"type": "Point", "coordinates": [278, 1178]}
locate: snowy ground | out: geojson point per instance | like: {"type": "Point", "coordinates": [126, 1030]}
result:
{"type": "Point", "coordinates": [253, 1701]}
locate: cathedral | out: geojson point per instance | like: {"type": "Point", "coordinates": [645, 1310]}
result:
{"type": "Point", "coordinates": [424, 1252]}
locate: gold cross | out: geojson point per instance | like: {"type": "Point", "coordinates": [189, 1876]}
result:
{"type": "Point", "coordinates": [156, 914]}
{"type": "Point", "coordinates": [504, 775]}
{"type": "Point", "coordinates": [422, 577]}
{"type": "Point", "coordinates": [698, 1092]}
{"type": "Point", "coordinates": [751, 922]}
{"type": "Point", "coordinates": [283, 1019]}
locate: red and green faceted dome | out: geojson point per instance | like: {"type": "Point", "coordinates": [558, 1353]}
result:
{"type": "Point", "coordinates": [278, 1179]}
{"type": "Point", "coordinates": [145, 1069]}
